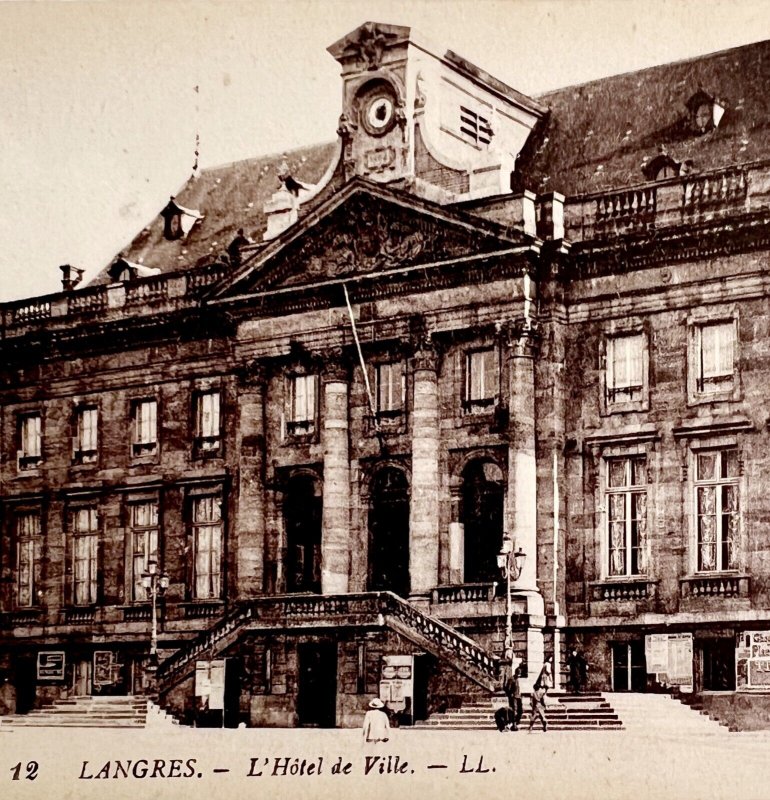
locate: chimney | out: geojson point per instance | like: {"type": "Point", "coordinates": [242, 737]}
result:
{"type": "Point", "coordinates": [71, 277]}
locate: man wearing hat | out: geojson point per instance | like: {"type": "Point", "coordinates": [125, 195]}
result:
{"type": "Point", "coordinates": [376, 722]}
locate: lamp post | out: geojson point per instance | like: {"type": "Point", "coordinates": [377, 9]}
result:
{"type": "Point", "coordinates": [511, 564]}
{"type": "Point", "coordinates": [156, 584]}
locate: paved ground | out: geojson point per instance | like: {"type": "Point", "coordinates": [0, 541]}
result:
{"type": "Point", "coordinates": [592, 765]}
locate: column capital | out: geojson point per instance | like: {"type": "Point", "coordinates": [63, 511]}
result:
{"type": "Point", "coordinates": [252, 373]}
{"type": "Point", "coordinates": [336, 365]}
{"type": "Point", "coordinates": [425, 351]}
{"type": "Point", "coordinates": [522, 340]}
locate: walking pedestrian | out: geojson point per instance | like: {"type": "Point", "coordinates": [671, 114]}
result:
{"type": "Point", "coordinates": [539, 690]}
{"type": "Point", "coordinates": [376, 722]}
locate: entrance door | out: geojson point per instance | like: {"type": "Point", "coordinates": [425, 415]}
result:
{"type": "Point", "coordinates": [303, 535]}
{"type": "Point", "coordinates": [317, 692]}
{"type": "Point", "coordinates": [718, 665]}
{"type": "Point", "coordinates": [81, 677]}
{"type": "Point", "coordinates": [389, 533]}
{"type": "Point", "coordinates": [629, 669]}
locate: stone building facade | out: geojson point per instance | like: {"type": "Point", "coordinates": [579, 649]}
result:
{"type": "Point", "coordinates": [322, 391]}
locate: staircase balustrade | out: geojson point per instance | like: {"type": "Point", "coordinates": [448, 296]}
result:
{"type": "Point", "coordinates": [382, 609]}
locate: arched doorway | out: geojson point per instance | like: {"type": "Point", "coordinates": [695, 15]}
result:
{"type": "Point", "coordinates": [389, 532]}
{"type": "Point", "coordinates": [482, 517]}
{"type": "Point", "coordinates": [302, 512]}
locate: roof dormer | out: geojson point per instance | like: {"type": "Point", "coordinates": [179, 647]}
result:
{"type": "Point", "coordinates": [178, 221]}
{"type": "Point", "coordinates": [705, 112]}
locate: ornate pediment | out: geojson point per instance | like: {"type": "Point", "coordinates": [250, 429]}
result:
{"type": "Point", "coordinates": [370, 233]}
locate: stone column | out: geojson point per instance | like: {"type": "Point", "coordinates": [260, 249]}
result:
{"type": "Point", "coordinates": [335, 529]}
{"type": "Point", "coordinates": [424, 506]}
{"type": "Point", "coordinates": [249, 524]}
{"type": "Point", "coordinates": [522, 464]}
{"type": "Point", "coordinates": [521, 519]}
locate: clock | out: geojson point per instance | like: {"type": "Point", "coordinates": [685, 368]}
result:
{"type": "Point", "coordinates": [377, 104]}
{"type": "Point", "coordinates": [379, 113]}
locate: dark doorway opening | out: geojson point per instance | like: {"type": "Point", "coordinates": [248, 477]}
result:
{"type": "Point", "coordinates": [317, 690]}
{"type": "Point", "coordinates": [718, 665]}
{"type": "Point", "coordinates": [25, 683]}
{"type": "Point", "coordinates": [482, 517]}
{"type": "Point", "coordinates": [629, 667]}
{"type": "Point", "coordinates": [303, 534]}
{"type": "Point", "coordinates": [389, 532]}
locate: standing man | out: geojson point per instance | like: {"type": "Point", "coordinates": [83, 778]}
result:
{"type": "Point", "coordinates": [512, 690]}
{"type": "Point", "coordinates": [543, 683]}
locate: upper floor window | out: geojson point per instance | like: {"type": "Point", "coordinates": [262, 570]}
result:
{"type": "Point", "coordinates": [716, 355]}
{"type": "Point", "coordinates": [207, 547]}
{"type": "Point", "coordinates": [390, 389]}
{"type": "Point", "coordinates": [625, 368]}
{"type": "Point", "coordinates": [85, 538]}
{"type": "Point", "coordinates": [475, 127]}
{"type": "Point", "coordinates": [207, 422]}
{"type": "Point", "coordinates": [145, 441]}
{"type": "Point", "coordinates": [30, 440]}
{"type": "Point", "coordinates": [27, 555]}
{"type": "Point", "coordinates": [717, 506]}
{"type": "Point", "coordinates": [144, 543]}
{"type": "Point", "coordinates": [481, 379]}
{"type": "Point", "coordinates": [626, 498]}
{"type": "Point", "coordinates": [86, 435]}
{"type": "Point", "coordinates": [302, 404]}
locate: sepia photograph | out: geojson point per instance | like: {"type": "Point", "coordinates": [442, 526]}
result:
{"type": "Point", "coordinates": [384, 399]}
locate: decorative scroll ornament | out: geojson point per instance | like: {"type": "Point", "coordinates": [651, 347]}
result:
{"type": "Point", "coordinates": [370, 45]}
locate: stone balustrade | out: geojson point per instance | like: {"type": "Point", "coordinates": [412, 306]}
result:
{"type": "Point", "coordinates": [631, 590]}
{"type": "Point", "coordinates": [667, 203]}
{"type": "Point", "coordinates": [719, 585]}
{"type": "Point", "coordinates": [463, 593]}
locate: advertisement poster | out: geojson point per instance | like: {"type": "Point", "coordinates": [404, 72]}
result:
{"type": "Point", "coordinates": [752, 660]}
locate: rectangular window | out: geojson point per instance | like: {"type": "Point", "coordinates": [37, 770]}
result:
{"type": "Point", "coordinates": [390, 389]}
{"type": "Point", "coordinates": [86, 439]}
{"type": "Point", "coordinates": [30, 441]}
{"type": "Point", "coordinates": [625, 368]}
{"type": "Point", "coordinates": [717, 505]}
{"type": "Point", "coordinates": [302, 404]}
{"type": "Point", "coordinates": [475, 127]}
{"type": "Point", "coordinates": [145, 428]}
{"type": "Point", "coordinates": [481, 379]}
{"type": "Point", "coordinates": [207, 422]}
{"type": "Point", "coordinates": [716, 355]}
{"type": "Point", "coordinates": [85, 537]}
{"type": "Point", "coordinates": [626, 502]}
{"type": "Point", "coordinates": [144, 542]}
{"type": "Point", "coordinates": [207, 544]}
{"type": "Point", "coordinates": [27, 548]}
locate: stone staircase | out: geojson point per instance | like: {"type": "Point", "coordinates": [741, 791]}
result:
{"type": "Point", "coordinates": [93, 712]}
{"type": "Point", "coordinates": [564, 712]}
{"type": "Point", "coordinates": [664, 715]}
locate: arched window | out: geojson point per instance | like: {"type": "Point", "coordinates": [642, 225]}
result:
{"type": "Point", "coordinates": [302, 512]}
{"type": "Point", "coordinates": [389, 532]}
{"type": "Point", "coordinates": [482, 517]}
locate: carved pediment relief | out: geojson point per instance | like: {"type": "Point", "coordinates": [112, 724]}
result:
{"type": "Point", "coordinates": [368, 234]}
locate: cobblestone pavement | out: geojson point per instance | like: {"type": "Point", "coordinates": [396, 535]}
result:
{"type": "Point", "coordinates": [188, 763]}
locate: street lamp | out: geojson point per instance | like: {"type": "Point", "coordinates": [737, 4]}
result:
{"type": "Point", "coordinates": [511, 564]}
{"type": "Point", "coordinates": [156, 584]}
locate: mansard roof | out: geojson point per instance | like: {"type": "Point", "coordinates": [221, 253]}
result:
{"type": "Point", "coordinates": [599, 135]}
{"type": "Point", "coordinates": [230, 197]}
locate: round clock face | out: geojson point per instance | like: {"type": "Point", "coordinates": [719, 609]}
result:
{"type": "Point", "coordinates": [378, 114]}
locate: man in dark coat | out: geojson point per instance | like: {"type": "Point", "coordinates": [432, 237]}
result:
{"type": "Point", "coordinates": [512, 690]}
{"type": "Point", "coordinates": [578, 669]}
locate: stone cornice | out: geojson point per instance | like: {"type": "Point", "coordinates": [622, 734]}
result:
{"type": "Point", "coordinates": [686, 242]}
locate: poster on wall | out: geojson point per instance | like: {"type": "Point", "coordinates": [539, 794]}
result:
{"type": "Point", "coordinates": [50, 665]}
{"type": "Point", "coordinates": [397, 681]}
{"type": "Point", "coordinates": [669, 658]}
{"type": "Point", "coordinates": [104, 667]}
{"type": "Point", "coordinates": [752, 660]}
{"type": "Point", "coordinates": [210, 683]}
